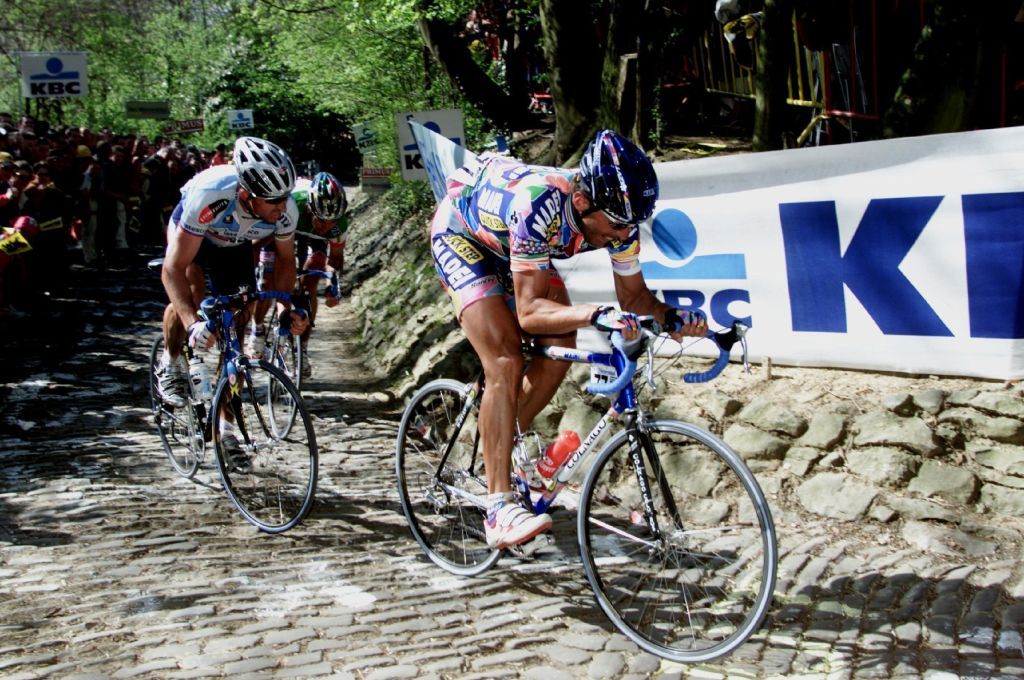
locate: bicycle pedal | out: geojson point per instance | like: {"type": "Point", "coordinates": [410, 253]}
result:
{"type": "Point", "coordinates": [536, 544]}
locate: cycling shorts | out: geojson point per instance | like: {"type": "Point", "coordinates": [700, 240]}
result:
{"type": "Point", "coordinates": [468, 271]}
{"type": "Point", "coordinates": [227, 268]}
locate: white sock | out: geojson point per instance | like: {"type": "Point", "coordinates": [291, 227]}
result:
{"type": "Point", "coordinates": [500, 497]}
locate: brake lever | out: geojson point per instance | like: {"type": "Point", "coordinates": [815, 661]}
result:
{"type": "Point", "coordinates": [741, 332]}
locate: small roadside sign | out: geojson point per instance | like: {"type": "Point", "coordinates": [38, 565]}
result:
{"type": "Point", "coordinates": [375, 179]}
{"type": "Point", "coordinates": [147, 108]}
{"type": "Point", "coordinates": [54, 74]}
{"type": "Point", "coordinates": [366, 136]}
{"type": "Point", "coordinates": [445, 122]}
{"type": "Point", "coordinates": [240, 119]}
{"type": "Point", "coordinates": [182, 126]}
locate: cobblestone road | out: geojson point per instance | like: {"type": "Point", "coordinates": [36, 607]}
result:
{"type": "Point", "coordinates": [112, 566]}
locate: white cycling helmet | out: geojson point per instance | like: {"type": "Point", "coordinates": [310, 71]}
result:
{"type": "Point", "coordinates": [264, 169]}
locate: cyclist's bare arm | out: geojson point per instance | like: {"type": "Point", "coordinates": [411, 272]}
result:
{"type": "Point", "coordinates": [284, 264]}
{"type": "Point", "coordinates": [634, 296]}
{"type": "Point", "coordinates": [541, 315]}
{"type": "Point", "coordinates": [182, 248]}
{"type": "Point", "coordinates": [284, 277]}
{"type": "Point", "coordinates": [336, 257]}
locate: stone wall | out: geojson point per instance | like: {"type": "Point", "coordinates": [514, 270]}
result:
{"type": "Point", "coordinates": [943, 455]}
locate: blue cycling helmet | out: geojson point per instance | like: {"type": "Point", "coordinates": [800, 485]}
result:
{"type": "Point", "coordinates": [619, 178]}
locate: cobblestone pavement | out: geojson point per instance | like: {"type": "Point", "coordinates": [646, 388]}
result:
{"type": "Point", "coordinates": [112, 566]}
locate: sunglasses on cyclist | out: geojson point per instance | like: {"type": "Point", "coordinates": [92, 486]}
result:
{"type": "Point", "coordinates": [275, 201]}
{"type": "Point", "coordinates": [615, 224]}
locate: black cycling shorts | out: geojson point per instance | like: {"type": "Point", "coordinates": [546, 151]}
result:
{"type": "Point", "coordinates": [227, 268]}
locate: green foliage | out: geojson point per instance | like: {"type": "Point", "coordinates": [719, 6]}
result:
{"type": "Point", "coordinates": [309, 68]}
{"type": "Point", "coordinates": [405, 200]}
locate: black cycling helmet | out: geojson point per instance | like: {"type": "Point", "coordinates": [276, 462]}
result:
{"type": "Point", "coordinates": [327, 197]}
{"type": "Point", "coordinates": [264, 169]}
{"type": "Point", "coordinates": [619, 178]}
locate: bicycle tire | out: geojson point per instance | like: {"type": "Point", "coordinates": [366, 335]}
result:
{"type": "Point", "coordinates": [703, 587]}
{"type": "Point", "coordinates": [439, 502]}
{"type": "Point", "coordinates": [275, 491]}
{"type": "Point", "coordinates": [286, 355]}
{"type": "Point", "coordinates": [181, 431]}
{"type": "Point", "coordinates": [286, 352]}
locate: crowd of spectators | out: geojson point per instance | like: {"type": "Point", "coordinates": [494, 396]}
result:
{"type": "Point", "coordinates": [97, 192]}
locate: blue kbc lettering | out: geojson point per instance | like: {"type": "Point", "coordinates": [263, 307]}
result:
{"type": "Point", "coordinates": [676, 237]}
{"type": "Point", "coordinates": [817, 271]}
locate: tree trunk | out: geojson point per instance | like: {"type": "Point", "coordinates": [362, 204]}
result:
{"type": "Point", "coordinates": [774, 47]}
{"type": "Point", "coordinates": [572, 49]}
{"type": "Point", "coordinates": [457, 62]}
{"type": "Point", "coordinates": [954, 55]}
{"type": "Point", "coordinates": [514, 56]}
{"type": "Point", "coordinates": [651, 40]}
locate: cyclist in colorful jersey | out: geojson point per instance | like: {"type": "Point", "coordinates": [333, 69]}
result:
{"type": "Point", "coordinates": [493, 240]}
{"type": "Point", "coordinates": [221, 212]}
{"type": "Point", "coordinates": [320, 237]}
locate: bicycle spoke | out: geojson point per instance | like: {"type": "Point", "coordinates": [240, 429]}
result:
{"type": "Point", "coordinates": [270, 479]}
{"type": "Point", "coordinates": [442, 497]}
{"type": "Point", "coordinates": [700, 586]}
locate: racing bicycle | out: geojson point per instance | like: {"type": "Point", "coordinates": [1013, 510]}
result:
{"type": "Point", "coordinates": [675, 535]}
{"type": "Point", "coordinates": [286, 351]}
{"type": "Point", "coordinates": [267, 465]}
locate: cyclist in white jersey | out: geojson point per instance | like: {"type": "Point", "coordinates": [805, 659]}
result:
{"type": "Point", "coordinates": [210, 234]}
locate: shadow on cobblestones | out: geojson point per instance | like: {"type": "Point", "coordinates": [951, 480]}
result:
{"type": "Point", "coordinates": [113, 566]}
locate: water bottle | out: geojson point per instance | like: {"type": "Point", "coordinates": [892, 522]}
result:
{"type": "Point", "coordinates": [200, 377]}
{"type": "Point", "coordinates": [557, 452]}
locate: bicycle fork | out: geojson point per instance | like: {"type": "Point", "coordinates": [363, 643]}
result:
{"type": "Point", "coordinates": [641, 449]}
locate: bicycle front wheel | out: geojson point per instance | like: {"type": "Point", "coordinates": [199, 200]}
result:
{"type": "Point", "coordinates": [271, 479]}
{"type": "Point", "coordinates": [443, 498]}
{"type": "Point", "coordinates": [690, 578]}
{"type": "Point", "coordinates": [286, 355]}
{"type": "Point", "coordinates": [181, 431]}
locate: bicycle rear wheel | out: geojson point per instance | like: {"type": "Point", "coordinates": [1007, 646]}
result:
{"type": "Point", "coordinates": [443, 498]}
{"type": "Point", "coordinates": [286, 355]}
{"type": "Point", "coordinates": [271, 479]}
{"type": "Point", "coordinates": [698, 587]}
{"type": "Point", "coordinates": [180, 429]}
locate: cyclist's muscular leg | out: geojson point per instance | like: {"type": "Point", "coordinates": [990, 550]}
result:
{"type": "Point", "coordinates": [310, 285]}
{"type": "Point", "coordinates": [174, 331]}
{"type": "Point", "coordinates": [264, 254]}
{"type": "Point", "coordinates": [494, 334]}
{"type": "Point", "coordinates": [544, 376]}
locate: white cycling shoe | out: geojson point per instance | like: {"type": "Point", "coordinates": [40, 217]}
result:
{"type": "Point", "coordinates": [170, 384]}
{"type": "Point", "coordinates": [509, 523]}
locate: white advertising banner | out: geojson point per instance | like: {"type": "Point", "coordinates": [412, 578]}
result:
{"type": "Point", "coordinates": [440, 156]}
{"type": "Point", "coordinates": [898, 255]}
{"type": "Point", "coordinates": [444, 122]}
{"type": "Point", "coordinates": [54, 74]}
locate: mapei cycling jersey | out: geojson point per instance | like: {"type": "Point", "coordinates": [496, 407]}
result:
{"type": "Point", "coordinates": [209, 208]}
{"type": "Point", "coordinates": [335, 235]}
{"type": "Point", "coordinates": [523, 214]}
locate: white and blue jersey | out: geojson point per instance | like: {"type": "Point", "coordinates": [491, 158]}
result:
{"type": "Point", "coordinates": [209, 208]}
